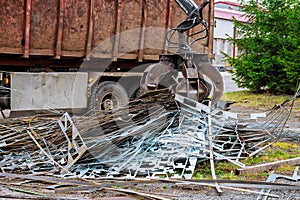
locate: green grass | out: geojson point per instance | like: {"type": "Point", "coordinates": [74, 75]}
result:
{"type": "Point", "coordinates": [285, 145]}
{"type": "Point", "coordinates": [286, 168]}
{"type": "Point", "coordinates": [249, 99]}
{"type": "Point", "coordinates": [226, 170]}
{"type": "Point", "coordinates": [198, 175]}
{"type": "Point", "coordinates": [257, 176]}
{"type": "Point", "coordinates": [231, 176]}
{"type": "Point", "coordinates": [164, 187]}
{"type": "Point", "coordinates": [277, 151]}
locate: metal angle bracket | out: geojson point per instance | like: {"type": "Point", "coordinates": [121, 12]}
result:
{"type": "Point", "coordinates": [272, 179]}
{"type": "Point", "coordinates": [76, 145]}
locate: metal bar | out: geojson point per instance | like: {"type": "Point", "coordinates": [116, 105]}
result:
{"type": "Point", "coordinates": [60, 25]}
{"type": "Point", "coordinates": [27, 28]}
{"type": "Point", "coordinates": [80, 147]}
{"type": "Point", "coordinates": [122, 74]}
{"type": "Point", "coordinates": [2, 113]}
{"type": "Point", "coordinates": [88, 47]}
{"type": "Point", "coordinates": [11, 50]}
{"type": "Point", "coordinates": [211, 156]}
{"type": "Point", "coordinates": [117, 32]}
{"type": "Point", "coordinates": [268, 166]}
{"type": "Point", "coordinates": [46, 179]}
{"type": "Point", "coordinates": [211, 30]}
{"type": "Point", "coordinates": [226, 187]}
{"type": "Point", "coordinates": [47, 155]}
{"type": "Point", "coordinates": [27, 191]}
{"type": "Point", "coordinates": [169, 22]}
{"type": "Point", "coordinates": [142, 41]}
{"type": "Point", "coordinates": [137, 193]}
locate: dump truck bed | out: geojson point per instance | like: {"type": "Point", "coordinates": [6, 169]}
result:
{"type": "Point", "coordinates": [120, 29]}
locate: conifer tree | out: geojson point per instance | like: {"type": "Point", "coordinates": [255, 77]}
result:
{"type": "Point", "coordinates": [269, 46]}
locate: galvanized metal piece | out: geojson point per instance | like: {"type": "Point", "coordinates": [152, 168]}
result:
{"type": "Point", "coordinates": [76, 145]}
{"type": "Point", "coordinates": [272, 179]}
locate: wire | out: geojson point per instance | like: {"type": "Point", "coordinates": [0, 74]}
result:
{"type": "Point", "coordinates": [171, 32]}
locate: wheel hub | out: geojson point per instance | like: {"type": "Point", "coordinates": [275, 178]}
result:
{"type": "Point", "coordinates": [108, 104]}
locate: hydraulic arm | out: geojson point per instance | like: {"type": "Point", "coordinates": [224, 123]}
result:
{"type": "Point", "coordinates": [186, 72]}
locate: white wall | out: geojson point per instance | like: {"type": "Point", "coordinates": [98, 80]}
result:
{"type": "Point", "coordinates": [221, 45]}
{"type": "Point", "coordinates": [222, 28]}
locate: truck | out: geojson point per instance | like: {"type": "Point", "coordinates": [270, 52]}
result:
{"type": "Point", "coordinates": [87, 54]}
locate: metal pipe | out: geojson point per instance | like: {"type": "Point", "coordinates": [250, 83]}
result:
{"type": "Point", "coordinates": [188, 6]}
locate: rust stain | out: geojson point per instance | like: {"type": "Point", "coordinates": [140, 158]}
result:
{"type": "Point", "coordinates": [75, 27]}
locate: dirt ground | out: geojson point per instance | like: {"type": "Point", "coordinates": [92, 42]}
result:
{"type": "Point", "coordinates": [144, 190]}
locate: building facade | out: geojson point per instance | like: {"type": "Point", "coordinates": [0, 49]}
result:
{"type": "Point", "coordinates": [225, 13]}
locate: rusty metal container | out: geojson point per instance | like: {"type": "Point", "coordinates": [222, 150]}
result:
{"type": "Point", "coordinates": [127, 29]}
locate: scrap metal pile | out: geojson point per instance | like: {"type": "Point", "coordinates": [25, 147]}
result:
{"type": "Point", "coordinates": [160, 134]}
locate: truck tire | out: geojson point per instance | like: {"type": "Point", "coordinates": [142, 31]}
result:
{"type": "Point", "coordinates": [108, 95]}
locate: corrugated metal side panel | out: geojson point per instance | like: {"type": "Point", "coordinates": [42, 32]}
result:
{"type": "Point", "coordinates": [75, 25]}
{"type": "Point", "coordinates": [71, 28]}
{"type": "Point", "coordinates": [157, 16]}
{"type": "Point", "coordinates": [43, 25]}
{"type": "Point", "coordinates": [131, 19]}
{"type": "Point", "coordinates": [11, 23]}
{"type": "Point", "coordinates": [202, 45]}
{"type": "Point", "coordinates": [104, 25]}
